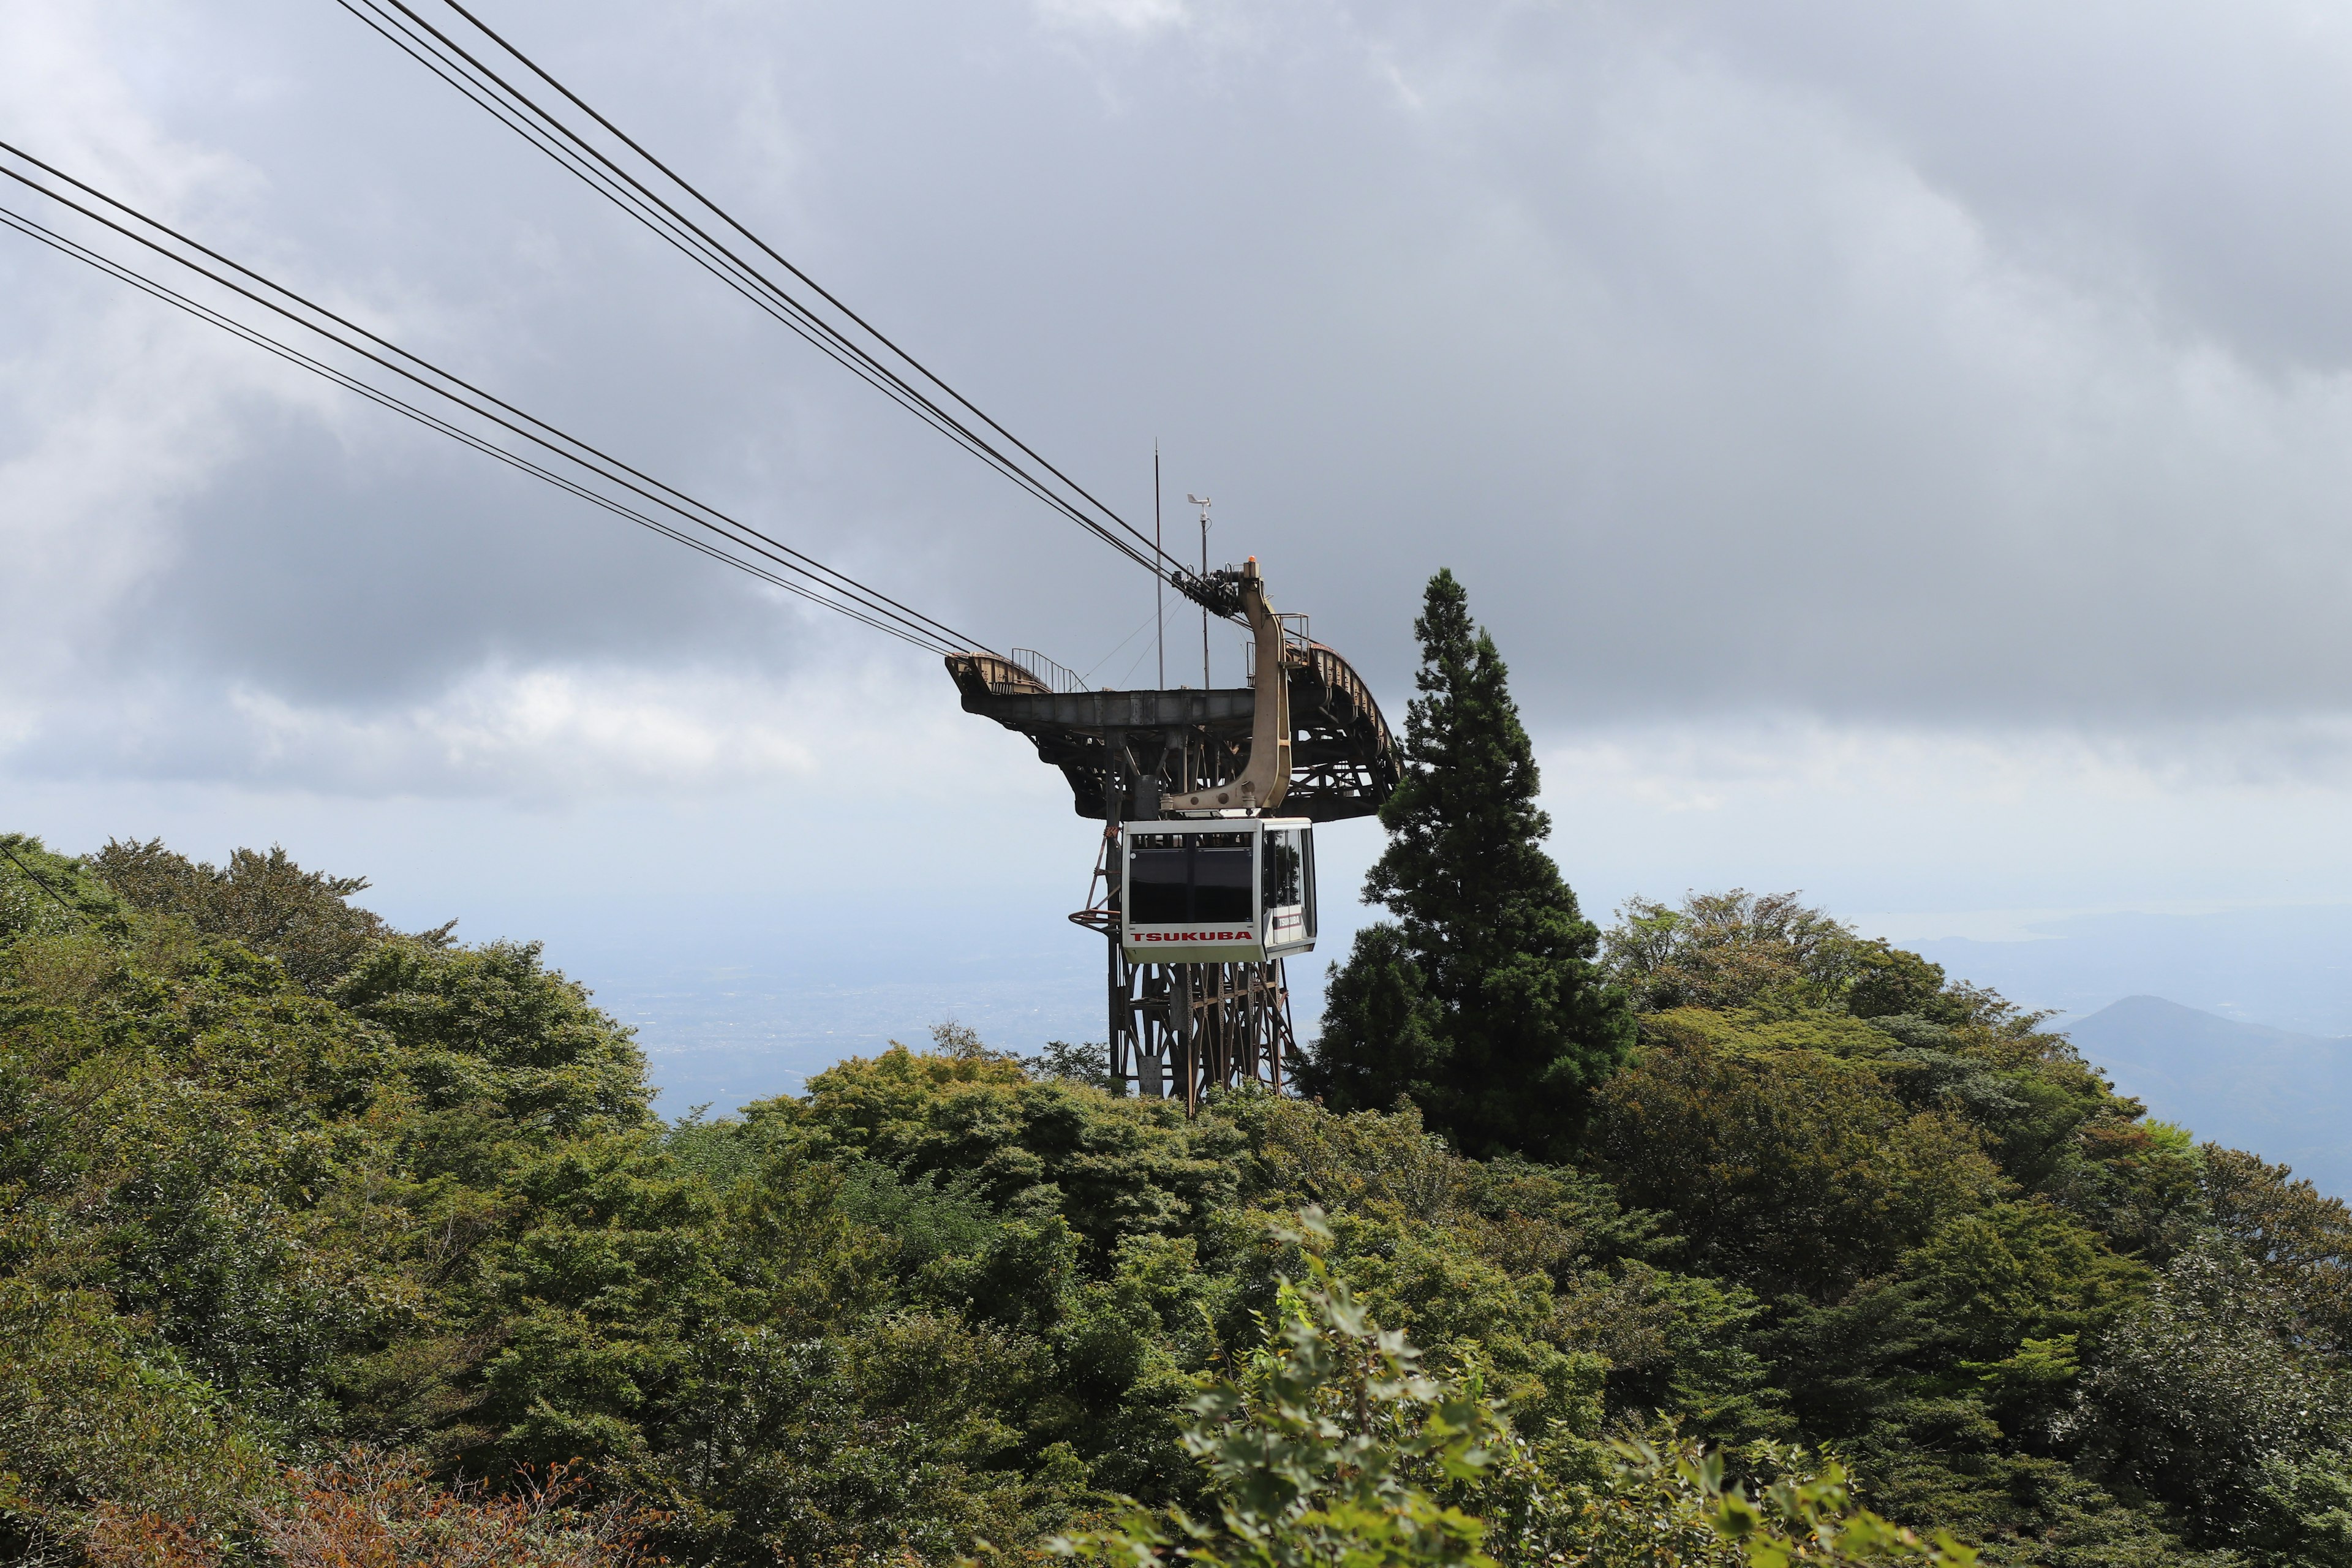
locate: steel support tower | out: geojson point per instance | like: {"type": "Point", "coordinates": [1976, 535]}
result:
{"type": "Point", "coordinates": [1180, 1030]}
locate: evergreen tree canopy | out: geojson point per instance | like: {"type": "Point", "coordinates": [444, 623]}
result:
{"type": "Point", "coordinates": [1482, 1001]}
{"type": "Point", "coordinates": [399, 1268]}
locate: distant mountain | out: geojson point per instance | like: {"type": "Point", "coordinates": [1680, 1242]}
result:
{"type": "Point", "coordinates": [2284, 1095]}
{"type": "Point", "coordinates": [2290, 966]}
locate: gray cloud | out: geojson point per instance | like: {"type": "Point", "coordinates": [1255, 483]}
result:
{"type": "Point", "coordinates": [1971, 369]}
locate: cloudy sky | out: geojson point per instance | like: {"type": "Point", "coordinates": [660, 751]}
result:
{"type": "Point", "coordinates": [1902, 452]}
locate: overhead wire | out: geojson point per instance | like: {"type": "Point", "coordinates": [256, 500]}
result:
{"type": "Point", "coordinates": [1137, 662]}
{"type": "Point", "coordinates": [817, 582]}
{"type": "Point", "coordinates": [645, 212]}
{"type": "Point", "coordinates": [1156, 615]}
{"type": "Point", "coordinates": [11, 219]}
{"type": "Point", "coordinates": [677, 501]}
{"type": "Point", "coordinates": [41, 882]}
{"type": "Point", "coordinates": [532, 109]}
{"type": "Point", "coordinates": [548, 132]}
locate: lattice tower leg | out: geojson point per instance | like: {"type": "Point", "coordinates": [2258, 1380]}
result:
{"type": "Point", "coordinates": [1142, 1043]}
{"type": "Point", "coordinates": [1180, 1030]}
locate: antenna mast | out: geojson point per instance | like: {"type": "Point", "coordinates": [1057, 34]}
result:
{"type": "Point", "coordinates": [1159, 582]}
{"type": "Point", "coordinates": [1204, 503]}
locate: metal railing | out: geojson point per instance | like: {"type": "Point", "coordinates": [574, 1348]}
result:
{"type": "Point", "coordinates": [1059, 678]}
{"type": "Point", "coordinates": [1297, 648]}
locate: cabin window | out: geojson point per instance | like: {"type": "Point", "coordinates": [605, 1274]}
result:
{"type": "Point", "coordinates": [1185, 878]}
{"type": "Point", "coordinates": [1159, 880]}
{"type": "Point", "coordinates": [1306, 849]}
{"type": "Point", "coordinates": [1284, 868]}
{"type": "Point", "coordinates": [1224, 886]}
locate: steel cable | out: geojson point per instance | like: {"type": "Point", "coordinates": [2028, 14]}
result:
{"type": "Point", "coordinates": [50, 238]}
{"type": "Point", "coordinates": [572, 449]}
{"type": "Point", "coordinates": [548, 132]}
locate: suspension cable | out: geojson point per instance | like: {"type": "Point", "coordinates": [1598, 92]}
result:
{"type": "Point", "coordinates": [852, 340]}
{"type": "Point", "coordinates": [817, 582]}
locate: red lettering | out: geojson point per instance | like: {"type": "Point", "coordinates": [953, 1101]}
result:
{"type": "Point", "coordinates": [1192, 936]}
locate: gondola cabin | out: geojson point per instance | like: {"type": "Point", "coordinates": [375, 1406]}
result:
{"type": "Point", "coordinates": [1216, 891]}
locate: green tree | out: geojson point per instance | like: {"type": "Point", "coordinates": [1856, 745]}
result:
{"type": "Point", "coordinates": [1773, 952]}
{"type": "Point", "coordinates": [1332, 1447]}
{"type": "Point", "coordinates": [1482, 1001]}
{"type": "Point", "coordinates": [275, 1181]}
{"type": "Point", "coordinates": [2207, 1402]}
{"type": "Point", "coordinates": [1383, 1038]}
{"type": "Point", "coordinates": [1790, 1171]}
{"type": "Point", "coordinates": [305, 920]}
{"type": "Point", "coordinates": [1680, 1507]}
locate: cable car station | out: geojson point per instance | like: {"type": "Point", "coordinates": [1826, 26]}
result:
{"type": "Point", "coordinates": [1205, 880]}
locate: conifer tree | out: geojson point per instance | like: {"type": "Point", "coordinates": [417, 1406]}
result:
{"type": "Point", "coordinates": [1481, 1001]}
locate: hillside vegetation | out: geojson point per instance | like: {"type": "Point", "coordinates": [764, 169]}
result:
{"type": "Point", "coordinates": [1724, 1237]}
{"type": "Point", "coordinates": [285, 1211]}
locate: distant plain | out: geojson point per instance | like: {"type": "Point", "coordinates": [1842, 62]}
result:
{"type": "Point", "coordinates": [2231, 1023]}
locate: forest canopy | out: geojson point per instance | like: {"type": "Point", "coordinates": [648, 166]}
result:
{"type": "Point", "coordinates": [298, 1226]}
{"type": "Point", "coordinates": [1725, 1235]}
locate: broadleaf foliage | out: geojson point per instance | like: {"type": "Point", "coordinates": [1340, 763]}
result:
{"type": "Point", "coordinates": [1728, 1237]}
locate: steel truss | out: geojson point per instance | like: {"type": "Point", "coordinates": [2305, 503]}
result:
{"type": "Point", "coordinates": [1106, 743]}
{"type": "Point", "coordinates": [1178, 1030]}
